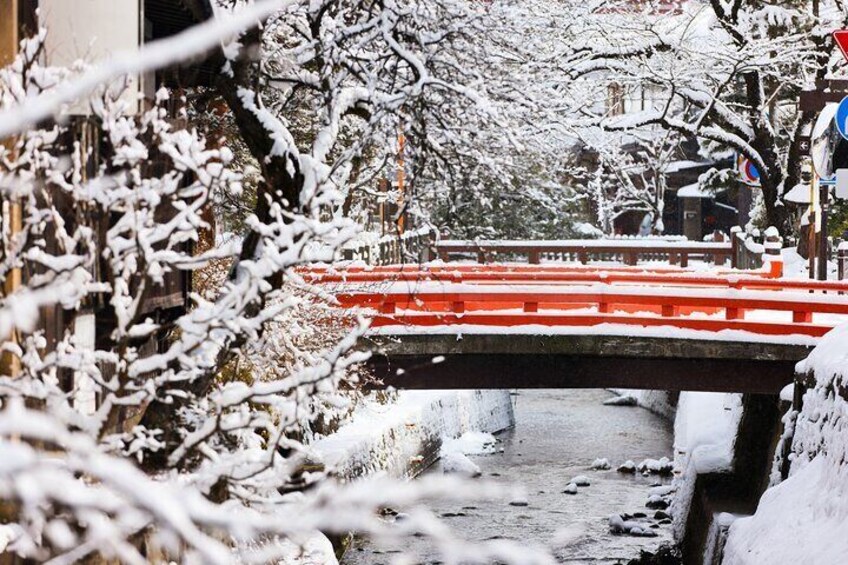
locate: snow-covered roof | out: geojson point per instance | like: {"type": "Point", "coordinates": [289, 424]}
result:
{"type": "Point", "coordinates": [684, 164]}
{"type": "Point", "coordinates": [694, 191]}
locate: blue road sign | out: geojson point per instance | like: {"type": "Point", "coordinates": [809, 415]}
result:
{"type": "Point", "coordinates": [842, 118]}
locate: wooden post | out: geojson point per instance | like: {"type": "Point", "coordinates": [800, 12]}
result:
{"type": "Point", "coordinates": [9, 38]}
{"type": "Point", "coordinates": [684, 259]}
{"type": "Point", "coordinates": [734, 247]}
{"type": "Point", "coordinates": [533, 256]}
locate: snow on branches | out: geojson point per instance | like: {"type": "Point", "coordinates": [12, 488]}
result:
{"type": "Point", "coordinates": [140, 415]}
{"type": "Point", "coordinates": [726, 73]}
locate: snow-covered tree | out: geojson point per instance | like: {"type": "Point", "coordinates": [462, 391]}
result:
{"type": "Point", "coordinates": [176, 433]}
{"type": "Point", "coordinates": [727, 73]}
{"type": "Point", "coordinates": [507, 172]}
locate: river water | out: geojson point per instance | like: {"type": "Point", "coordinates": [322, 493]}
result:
{"type": "Point", "coordinates": [557, 436]}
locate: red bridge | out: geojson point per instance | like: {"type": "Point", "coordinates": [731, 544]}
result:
{"type": "Point", "coordinates": [572, 326]}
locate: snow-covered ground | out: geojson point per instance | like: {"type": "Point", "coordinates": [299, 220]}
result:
{"type": "Point", "coordinates": [805, 518]}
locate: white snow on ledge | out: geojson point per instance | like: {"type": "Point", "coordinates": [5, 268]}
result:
{"type": "Point", "coordinates": [625, 330]}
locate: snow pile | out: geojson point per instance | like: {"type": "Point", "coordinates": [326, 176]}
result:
{"type": "Point", "coordinates": [454, 452]}
{"type": "Point", "coordinates": [470, 443]}
{"type": "Point", "coordinates": [805, 518]}
{"type": "Point", "coordinates": [705, 430]}
{"type": "Point", "coordinates": [458, 462]}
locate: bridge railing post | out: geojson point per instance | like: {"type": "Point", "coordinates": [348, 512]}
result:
{"type": "Point", "coordinates": [773, 244]}
{"type": "Point", "coordinates": [735, 234]}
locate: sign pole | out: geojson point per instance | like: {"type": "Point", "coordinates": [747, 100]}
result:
{"type": "Point", "coordinates": [824, 205]}
{"type": "Point", "coordinates": [811, 235]}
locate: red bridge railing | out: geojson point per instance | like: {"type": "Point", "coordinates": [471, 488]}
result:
{"type": "Point", "coordinates": [697, 309]}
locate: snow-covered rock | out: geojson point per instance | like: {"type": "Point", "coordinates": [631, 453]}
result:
{"type": "Point", "coordinates": [570, 488]}
{"type": "Point", "coordinates": [662, 466]}
{"type": "Point", "coordinates": [620, 524]}
{"type": "Point", "coordinates": [601, 464]}
{"type": "Point", "coordinates": [519, 500]}
{"type": "Point", "coordinates": [627, 467]}
{"type": "Point", "coordinates": [581, 480]}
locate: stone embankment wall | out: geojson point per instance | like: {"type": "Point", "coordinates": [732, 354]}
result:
{"type": "Point", "coordinates": [402, 438]}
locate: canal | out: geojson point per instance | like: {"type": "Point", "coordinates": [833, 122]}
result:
{"type": "Point", "coordinates": [557, 436]}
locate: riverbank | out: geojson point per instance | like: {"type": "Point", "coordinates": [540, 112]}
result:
{"type": "Point", "coordinates": [558, 434]}
{"type": "Point", "coordinates": [804, 519]}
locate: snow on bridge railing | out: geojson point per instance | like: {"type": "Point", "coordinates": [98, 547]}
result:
{"type": "Point", "coordinates": [414, 245]}
{"type": "Point", "coordinates": [552, 275]}
{"type": "Point", "coordinates": [751, 249]}
{"type": "Point", "coordinates": [437, 304]}
{"type": "Point", "coordinates": [625, 250]}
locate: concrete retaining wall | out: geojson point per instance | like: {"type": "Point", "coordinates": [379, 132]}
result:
{"type": "Point", "coordinates": [404, 437]}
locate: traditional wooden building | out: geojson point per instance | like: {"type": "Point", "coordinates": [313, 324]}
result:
{"type": "Point", "coordinates": [92, 30]}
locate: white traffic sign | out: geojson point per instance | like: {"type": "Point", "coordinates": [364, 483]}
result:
{"type": "Point", "coordinates": [841, 183]}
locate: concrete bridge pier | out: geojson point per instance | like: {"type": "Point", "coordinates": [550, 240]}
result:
{"type": "Point", "coordinates": [739, 490]}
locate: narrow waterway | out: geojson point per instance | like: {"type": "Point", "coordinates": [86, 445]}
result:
{"type": "Point", "coordinates": [557, 436]}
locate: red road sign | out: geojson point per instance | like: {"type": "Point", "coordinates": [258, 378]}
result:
{"type": "Point", "coordinates": [840, 37]}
